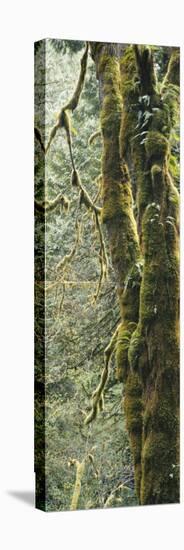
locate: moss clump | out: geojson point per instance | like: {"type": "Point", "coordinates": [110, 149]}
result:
{"type": "Point", "coordinates": [161, 120]}
{"type": "Point", "coordinates": [130, 93]}
{"type": "Point", "coordinates": [156, 146]}
{"type": "Point", "coordinates": [153, 233]}
{"type": "Point", "coordinates": [122, 346]}
{"type": "Point", "coordinates": [135, 352]}
{"type": "Point", "coordinates": [173, 199]}
{"type": "Point", "coordinates": [173, 71]}
{"type": "Point", "coordinates": [117, 201]}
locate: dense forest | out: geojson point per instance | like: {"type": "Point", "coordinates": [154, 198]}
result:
{"type": "Point", "coordinates": [106, 275]}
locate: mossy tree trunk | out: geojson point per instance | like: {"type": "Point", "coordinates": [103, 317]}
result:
{"type": "Point", "coordinates": [136, 121]}
{"type": "Point", "coordinates": [117, 215]}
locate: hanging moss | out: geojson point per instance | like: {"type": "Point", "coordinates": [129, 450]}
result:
{"type": "Point", "coordinates": [98, 398]}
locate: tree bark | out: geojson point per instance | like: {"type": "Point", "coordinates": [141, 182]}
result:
{"type": "Point", "coordinates": [117, 215]}
{"type": "Point", "coordinates": [136, 123]}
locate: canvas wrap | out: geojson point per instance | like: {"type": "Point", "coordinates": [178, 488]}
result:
{"type": "Point", "coordinates": [106, 274]}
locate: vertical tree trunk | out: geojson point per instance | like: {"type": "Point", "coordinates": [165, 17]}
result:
{"type": "Point", "coordinates": [118, 216]}
{"type": "Point", "coordinates": [137, 131]}
{"type": "Point", "coordinates": [153, 350]}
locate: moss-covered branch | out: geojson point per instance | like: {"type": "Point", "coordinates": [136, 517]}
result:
{"type": "Point", "coordinates": [80, 467]}
{"type": "Point", "coordinates": [94, 136]}
{"type": "Point", "coordinates": [63, 117]}
{"type": "Point", "coordinates": [98, 398]}
{"type": "Point", "coordinates": [63, 263]}
{"type": "Point", "coordinates": [73, 102]}
{"type": "Point", "coordinates": [49, 206]}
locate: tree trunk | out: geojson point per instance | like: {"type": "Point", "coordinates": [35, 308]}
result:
{"type": "Point", "coordinates": [136, 122]}
{"type": "Point", "coordinates": [118, 216]}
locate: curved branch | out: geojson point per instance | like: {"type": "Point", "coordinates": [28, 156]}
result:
{"type": "Point", "coordinates": [63, 118]}
{"type": "Point", "coordinates": [98, 399]}
{"type": "Point", "coordinates": [48, 206]}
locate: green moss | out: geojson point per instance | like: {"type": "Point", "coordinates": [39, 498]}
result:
{"type": "Point", "coordinates": [133, 407]}
{"type": "Point", "coordinates": [157, 147]}
{"type": "Point", "coordinates": [129, 75]}
{"type": "Point", "coordinates": [146, 70]}
{"type": "Point", "coordinates": [146, 352]}
{"type": "Point", "coordinates": [160, 455]}
{"type": "Point", "coordinates": [130, 92]}
{"type": "Point", "coordinates": [129, 311]}
{"type": "Point", "coordinates": [136, 347]}
{"type": "Point", "coordinates": [173, 72]}
{"type": "Point", "coordinates": [161, 119]}
{"type": "Point", "coordinates": [117, 210]}
{"type": "Point", "coordinates": [117, 201]}
{"type": "Point", "coordinates": [160, 450]}
{"type": "Point", "coordinates": [157, 182]}
{"type": "Point", "coordinates": [172, 198]}
{"type": "Point", "coordinates": [122, 346]}
{"type": "Point", "coordinates": [112, 101]}
{"type": "Point", "coordinates": [159, 325]}
{"type": "Point", "coordinates": [159, 481]}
